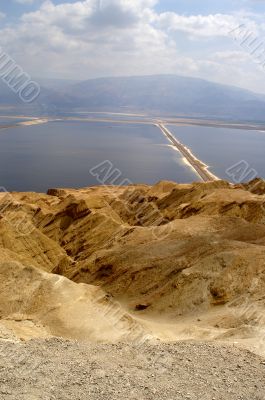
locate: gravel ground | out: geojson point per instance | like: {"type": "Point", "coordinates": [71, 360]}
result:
{"type": "Point", "coordinates": [55, 369]}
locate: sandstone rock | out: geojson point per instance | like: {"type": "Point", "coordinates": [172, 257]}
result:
{"type": "Point", "coordinates": [169, 250]}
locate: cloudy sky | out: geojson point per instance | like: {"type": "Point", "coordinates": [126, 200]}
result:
{"type": "Point", "coordinates": [91, 38]}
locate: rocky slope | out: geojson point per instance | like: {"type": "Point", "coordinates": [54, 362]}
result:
{"type": "Point", "coordinates": [119, 263]}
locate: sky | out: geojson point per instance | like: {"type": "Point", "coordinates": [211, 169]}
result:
{"type": "Point", "coordinates": [84, 39]}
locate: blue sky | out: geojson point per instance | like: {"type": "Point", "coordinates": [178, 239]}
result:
{"type": "Point", "coordinates": [80, 40]}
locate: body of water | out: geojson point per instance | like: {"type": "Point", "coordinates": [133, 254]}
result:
{"type": "Point", "coordinates": [61, 154]}
{"type": "Point", "coordinates": [222, 148]}
{"type": "Point", "coordinates": [4, 121]}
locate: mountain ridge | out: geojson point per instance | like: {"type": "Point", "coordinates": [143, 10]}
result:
{"type": "Point", "coordinates": [153, 94]}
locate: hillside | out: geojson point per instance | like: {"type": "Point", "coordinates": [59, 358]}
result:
{"type": "Point", "coordinates": [168, 95]}
{"type": "Point", "coordinates": [133, 292]}
{"type": "Point", "coordinates": [181, 254]}
{"type": "Point", "coordinates": [165, 94]}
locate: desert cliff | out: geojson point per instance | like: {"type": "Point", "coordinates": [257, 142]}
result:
{"type": "Point", "coordinates": [174, 261]}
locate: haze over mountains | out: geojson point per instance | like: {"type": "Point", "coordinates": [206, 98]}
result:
{"type": "Point", "coordinates": [159, 94]}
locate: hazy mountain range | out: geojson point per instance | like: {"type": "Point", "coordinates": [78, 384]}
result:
{"type": "Point", "coordinates": [160, 95]}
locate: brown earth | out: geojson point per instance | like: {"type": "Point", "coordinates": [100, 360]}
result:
{"type": "Point", "coordinates": [173, 261]}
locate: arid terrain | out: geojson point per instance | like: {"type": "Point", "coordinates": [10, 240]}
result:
{"type": "Point", "coordinates": [97, 273]}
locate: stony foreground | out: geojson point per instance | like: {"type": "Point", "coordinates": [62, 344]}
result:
{"type": "Point", "coordinates": [60, 370]}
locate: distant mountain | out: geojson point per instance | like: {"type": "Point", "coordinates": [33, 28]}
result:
{"type": "Point", "coordinates": [162, 94]}
{"type": "Point", "coordinates": [56, 84]}
{"type": "Point", "coordinates": [7, 96]}
{"type": "Point", "coordinates": [159, 94]}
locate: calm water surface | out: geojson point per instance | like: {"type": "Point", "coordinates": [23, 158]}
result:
{"type": "Point", "coordinates": [61, 154]}
{"type": "Point", "coordinates": [221, 148]}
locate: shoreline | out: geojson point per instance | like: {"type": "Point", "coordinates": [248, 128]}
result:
{"type": "Point", "coordinates": [136, 119]}
{"type": "Point", "coordinates": [38, 121]}
{"type": "Point", "coordinates": [197, 165]}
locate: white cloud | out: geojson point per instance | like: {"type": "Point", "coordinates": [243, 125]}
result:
{"type": "Point", "coordinates": [91, 38]}
{"type": "Point", "coordinates": [81, 38]}
{"type": "Point", "coordinates": [235, 57]}
{"type": "Point", "coordinates": [203, 25]}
